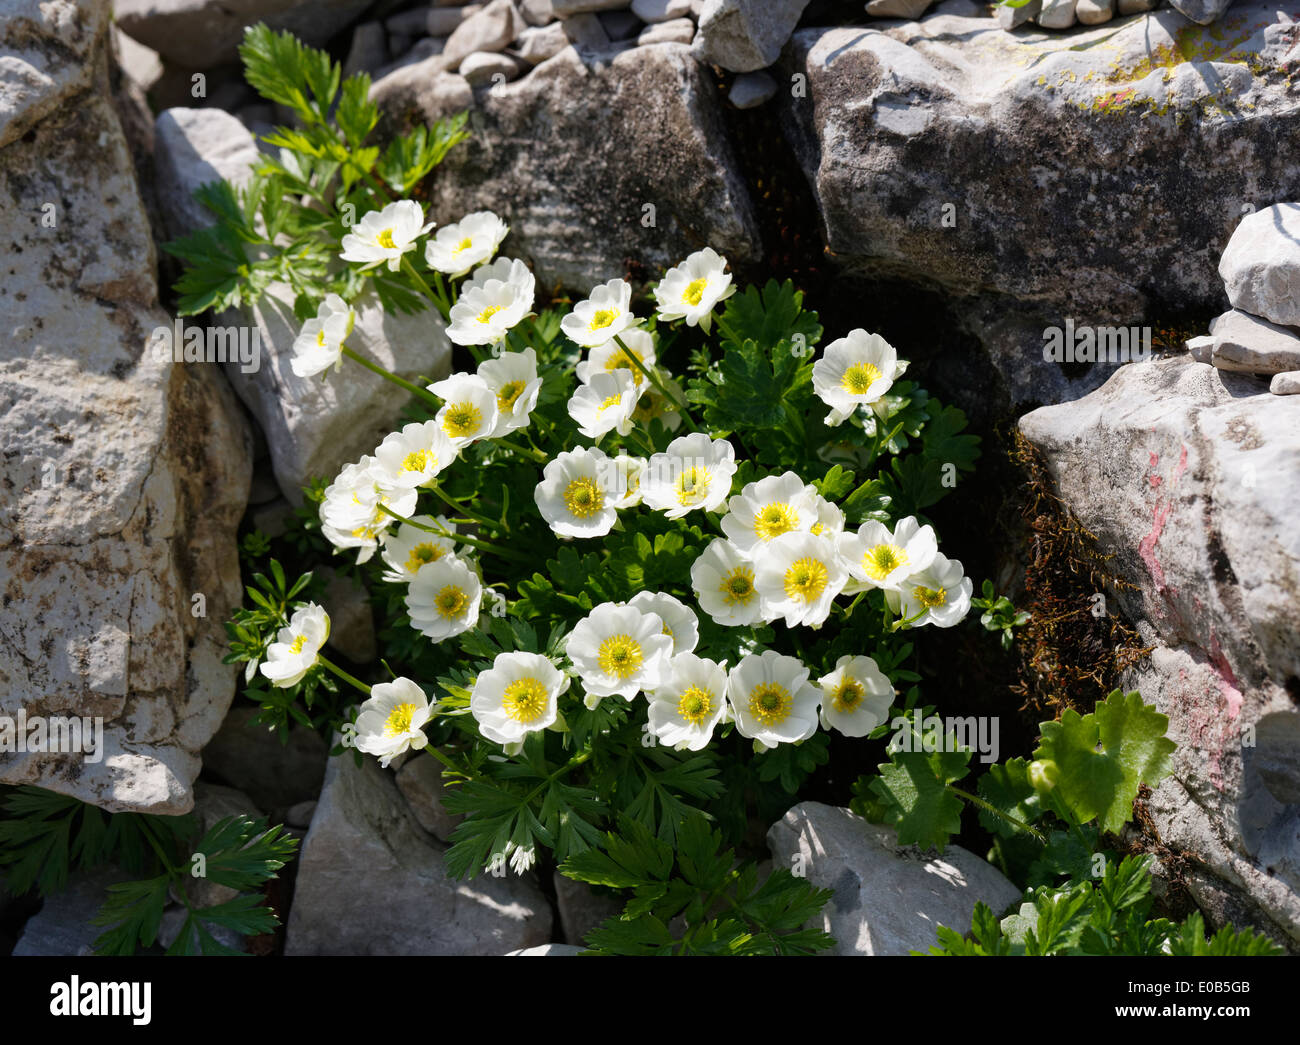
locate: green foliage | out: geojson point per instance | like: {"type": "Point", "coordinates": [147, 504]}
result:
{"type": "Point", "coordinates": [724, 908]}
{"type": "Point", "coordinates": [999, 614]}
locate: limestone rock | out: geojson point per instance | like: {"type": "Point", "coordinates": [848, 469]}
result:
{"type": "Point", "coordinates": [1250, 345]}
{"type": "Point", "coordinates": [369, 882]}
{"type": "Point", "coordinates": [546, 950]}
{"type": "Point", "coordinates": [193, 147]}
{"type": "Point", "coordinates": [888, 899]}
{"type": "Point", "coordinates": [1094, 12]}
{"type": "Point", "coordinates": [442, 21]}
{"type": "Point", "coordinates": [1010, 17]}
{"type": "Point", "coordinates": [582, 908]}
{"type": "Point", "coordinates": [62, 927]}
{"type": "Point", "coordinates": [1287, 384]}
{"type": "Point", "coordinates": [652, 11]}
{"type": "Point", "coordinates": [750, 90]}
{"type": "Point", "coordinates": [420, 782]}
{"type": "Point", "coordinates": [494, 28]}
{"type": "Point", "coordinates": [537, 12]}
{"type": "Point", "coordinates": [745, 35]}
{"type": "Point", "coordinates": [1057, 14]}
{"type": "Point", "coordinates": [251, 757]}
{"type": "Point", "coordinates": [906, 9]}
{"type": "Point", "coordinates": [483, 68]}
{"type": "Point", "coordinates": [678, 31]}
{"type": "Point", "coordinates": [1202, 11]}
{"type": "Point", "coordinates": [1261, 264]}
{"type": "Point", "coordinates": [538, 43]}
{"type": "Point", "coordinates": [586, 31]}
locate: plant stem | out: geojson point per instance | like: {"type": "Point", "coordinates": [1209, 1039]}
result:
{"type": "Point", "coordinates": [976, 800]}
{"type": "Point", "coordinates": [535, 455]}
{"type": "Point", "coordinates": [400, 382]}
{"type": "Point", "coordinates": [452, 502]}
{"type": "Point", "coordinates": [679, 403]}
{"type": "Point", "coordinates": [439, 300]}
{"type": "Point", "coordinates": [344, 675]}
{"type": "Point", "coordinates": [473, 542]}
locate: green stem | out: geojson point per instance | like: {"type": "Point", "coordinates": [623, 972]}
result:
{"type": "Point", "coordinates": [535, 455]}
{"type": "Point", "coordinates": [473, 542]}
{"type": "Point", "coordinates": [679, 403]}
{"type": "Point", "coordinates": [400, 382]}
{"type": "Point", "coordinates": [976, 800]}
{"type": "Point", "coordinates": [456, 505]}
{"type": "Point", "coordinates": [439, 300]}
{"type": "Point", "coordinates": [643, 441]}
{"type": "Point", "coordinates": [344, 675]}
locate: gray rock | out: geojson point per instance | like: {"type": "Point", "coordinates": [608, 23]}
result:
{"type": "Point", "coordinates": [212, 804]}
{"type": "Point", "coordinates": [1287, 384]}
{"type": "Point", "coordinates": [142, 65]}
{"type": "Point", "coordinates": [125, 474]}
{"type": "Point", "coordinates": [586, 31]}
{"type": "Point", "coordinates": [420, 782]}
{"type": "Point", "coordinates": [1010, 17]}
{"type": "Point", "coordinates": [442, 21]}
{"type": "Point", "coordinates": [370, 883]}
{"type": "Point", "coordinates": [484, 68]}
{"type": "Point", "coordinates": [1133, 7]}
{"type": "Point", "coordinates": [888, 899]}
{"type": "Point", "coordinates": [414, 21]}
{"type": "Point", "coordinates": [369, 49]}
{"type": "Point", "coordinates": [422, 90]}
{"type": "Point", "coordinates": [1201, 348]}
{"type": "Point", "coordinates": [1249, 345]}
{"type": "Point", "coordinates": [62, 927]}
{"type": "Point", "coordinates": [352, 623]}
{"type": "Point", "coordinates": [745, 35]}
{"type": "Point", "coordinates": [555, 187]}
{"type": "Point", "coordinates": [537, 12]}
{"type": "Point", "coordinates": [1201, 11]}
{"type": "Point", "coordinates": [1056, 14]}
{"type": "Point", "coordinates": [565, 8]}
{"type": "Point", "coordinates": [581, 908]}
{"type": "Point", "coordinates": [750, 90]}
{"type": "Point", "coordinates": [492, 29]}
{"type": "Point", "coordinates": [1094, 12]}
{"type": "Point", "coordinates": [652, 11]}
{"type": "Point", "coordinates": [678, 31]}
{"type": "Point", "coordinates": [273, 518]}
{"type": "Point", "coordinates": [300, 814]}
{"type": "Point", "coordinates": [251, 757]}
{"type": "Point", "coordinates": [193, 147]}
{"type": "Point", "coordinates": [538, 43]}
{"type": "Point", "coordinates": [620, 25]}
{"type": "Point", "coordinates": [200, 34]}
{"type": "Point", "coordinates": [1190, 476]}
{"type": "Point", "coordinates": [1261, 264]}
{"type": "Point", "coordinates": [907, 9]}
{"type": "Point", "coordinates": [546, 950]}
{"type": "Point", "coordinates": [173, 920]}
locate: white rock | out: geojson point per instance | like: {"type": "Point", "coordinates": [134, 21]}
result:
{"type": "Point", "coordinates": [352, 622]}
{"type": "Point", "coordinates": [538, 43]}
{"type": "Point", "coordinates": [678, 31]}
{"type": "Point", "coordinates": [1056, 14]}
{"type": "Point", "coordinates": [888, 899]}
{"type": "Point", "coordinates": [565, 8]}
{"type": "Point", "coordinates": [908, 9]}
{"type": "Point", "coordinates": [420, 782]}
{"type": "Point", "coordinates": [585, 31]}
{"type": "Point", "coordinates": [1261, 264]}
{"type": "Point", "coordinates": [1250, 345]}
{"type": "Point", "coordinates": [494, 28]}
{"type": "Point", "coordinates": [370, 883]}
{"type": "Point", "coordinates": [1285, 384]}
{"type": "Point", "coordinates": [141, 64]}
{"type": "Point", "coordinates": [1010, 17]}
{"type": "Point", "coordinates": [745, 35]}
{"type": "Point", "coordinates": [1201, 348]}
{"type": "Point", "coordinates": [546, 950]}
{"type": "Point", "coordinates": [750, 90]}
{"type": "Point", "coordinates": [484, 67]}
{"type": "Point", "coordinates": [191, 148]}
{"type": "Point", "coordinates": [1094, 12]}
{"type": "Point", "coordinates": [442, 21]}
{"type": "Point", "coordinates": [1201, 11]}
{"type": "Point", "coordinates": [537, 12]}
{"type": "Point", "coordinates": [652, 11]}
{"type": "Point", "coordinates": [48, 51]}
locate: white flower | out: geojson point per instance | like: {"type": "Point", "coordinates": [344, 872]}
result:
{"type": "Point", "coordinates": [415, 455]}
{"type": "Point", "coordinates": [443, 598]}
{"type": "Point", "coordinates": [393, 719]}
{"type": "Point", "coordinates": [766, 509]}
{"type": "Point", "coordinates": [470, 408]}
{"type": "Point", "coordinates": [879, 558]}
{"type": "Point", "coordinates": [680, 623]}
{"type": "Point", "coordinates": [854, 371]}
{"type": "Point", "coordinates": [723, 580]}
{"type": "Point", "coordinates": [293, 654]}
{"type": "Point", "coordinates": [320, 344]}
{"type": "Point", "coordinates": [798, 576]}
{"type": "Point", "coordinates": [691, 290]}
{"type": "Point", "coordinates": [654, 404]}
{"type": "Point", "coordinates": [484, 315]}
{"type": "Point", "coordinates": [351, 512]}
{"type": "Point", "coordinates": [829, 518]}
{"type": "Point", "coordinates": [695, 472]}
{"type": "Point", "coordinates": [685, 710]}
{"type": "Point", "coordinates": [408, 548]}
{"type": "Point", "coordinates": [628, 472]}
{"type": "Point", "coordinates": [618, 651]}
{"type": "Point", "coordinates": [504, 270]}
{"type": "Point", "coordinates": [471, 241]}
{"type": "Point", "coordinates": [855, 696]}
{"type": "Point", "coordinates": [512, 377]}
{"type": "Point", "coordinates": [522, 857]}
{"type": "Point", "coordinates": [579, 492]}
{"type": "Point", "coordinates": [606, 313]}
{"type": "Point", "coordinates": [613, 356]}
{"type": "Point", "coordinates": [605, 403]}
{"type": "Point", "coordinates": [772, 699]}
{"type": "Point", "coordinates": [385, 235]}
{"type": "Point", "coordinates": [516, 696]}
{"type": "Point", "coordinates": [939, 594]}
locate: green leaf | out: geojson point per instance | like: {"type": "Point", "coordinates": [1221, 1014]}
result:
{"type": "Point", "coordinates": [912, 789]}
{"type": "Point", "coordinates": [1006, 787]}
{"type": "Point", "coordinates": [133, 912]}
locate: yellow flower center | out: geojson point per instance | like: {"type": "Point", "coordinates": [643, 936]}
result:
{"type": "Point", "coordinates": [774, 519]}
{"type": "Point", "coordinates": [298, 644]}
{"type": "Point", "coordinates": [847, 695]}
{"type": "Point", "coordinates": [620, 656]}
{"type": "Point", "coordinates": [695, 705]}
{"type": "Point", "coordinates": [603, 318]}
{"type": "Point", "coordinates": [623, 358]}
{"type": "Point", "coordinates": [694, 291]}
{"type": "Point", "coordinates": [320, 338]}
{"type": "Point", "coordinates": [385, 239]}
{"type": "Point", "coordinates": [930, 597]}
{"type": "Point", "coordinates": [510, 391]}
{"type": "Point", "coordinates": [693, 485]}
{"type": "Point", "coordinates": [366, 533]}
{"type": "Point", "coordinates": [770, 703]}
{"type": "Point", "coordinates": [584, 498]}
{"type": "Point", "coordinates": [422, 555]}
{"type": "Point", "coordinates": [738, 586]}
{"type": "Point", "coordinates": [418, 461]}
{"type": "Point", "coordinates": [882, 560]}
{"type": "Point", "coordinates": [462, 420]}
{"type": "Point", "coordinates": [450, 602]}
{"type": "Point", "coordinates": [487, 314]}
{"type": "Point", "coordinates": [464, 244]}
{"type": "Point", "coordinates": [399, 720]}
{"type": "Point", "coordinates": [610, 401]}
{"type": "Point", "coordinates": [859, 378]}
{"type": "Point", "coordinates": [817, 529]}
{"type": "Point", "coordinates": [525, 700]}
{"type": "Point", "coordinates": [805, 579]}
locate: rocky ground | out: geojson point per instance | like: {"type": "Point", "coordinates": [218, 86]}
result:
{"type": "Point", "coordinates": [918, 168]}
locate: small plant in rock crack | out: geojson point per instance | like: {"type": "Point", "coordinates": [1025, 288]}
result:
{"type": "Point", "coordinates": [44, 836]}
{"type": "Point", "coordinates": [999, 614]}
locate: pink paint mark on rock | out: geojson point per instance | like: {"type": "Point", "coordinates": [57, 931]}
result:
{"type": "Point", "coordinates": [1153, 478]}
{"type": "Point", "coordinates": [1147, 546]}
{"type": "Point", "coordinates": [1181, 467]}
